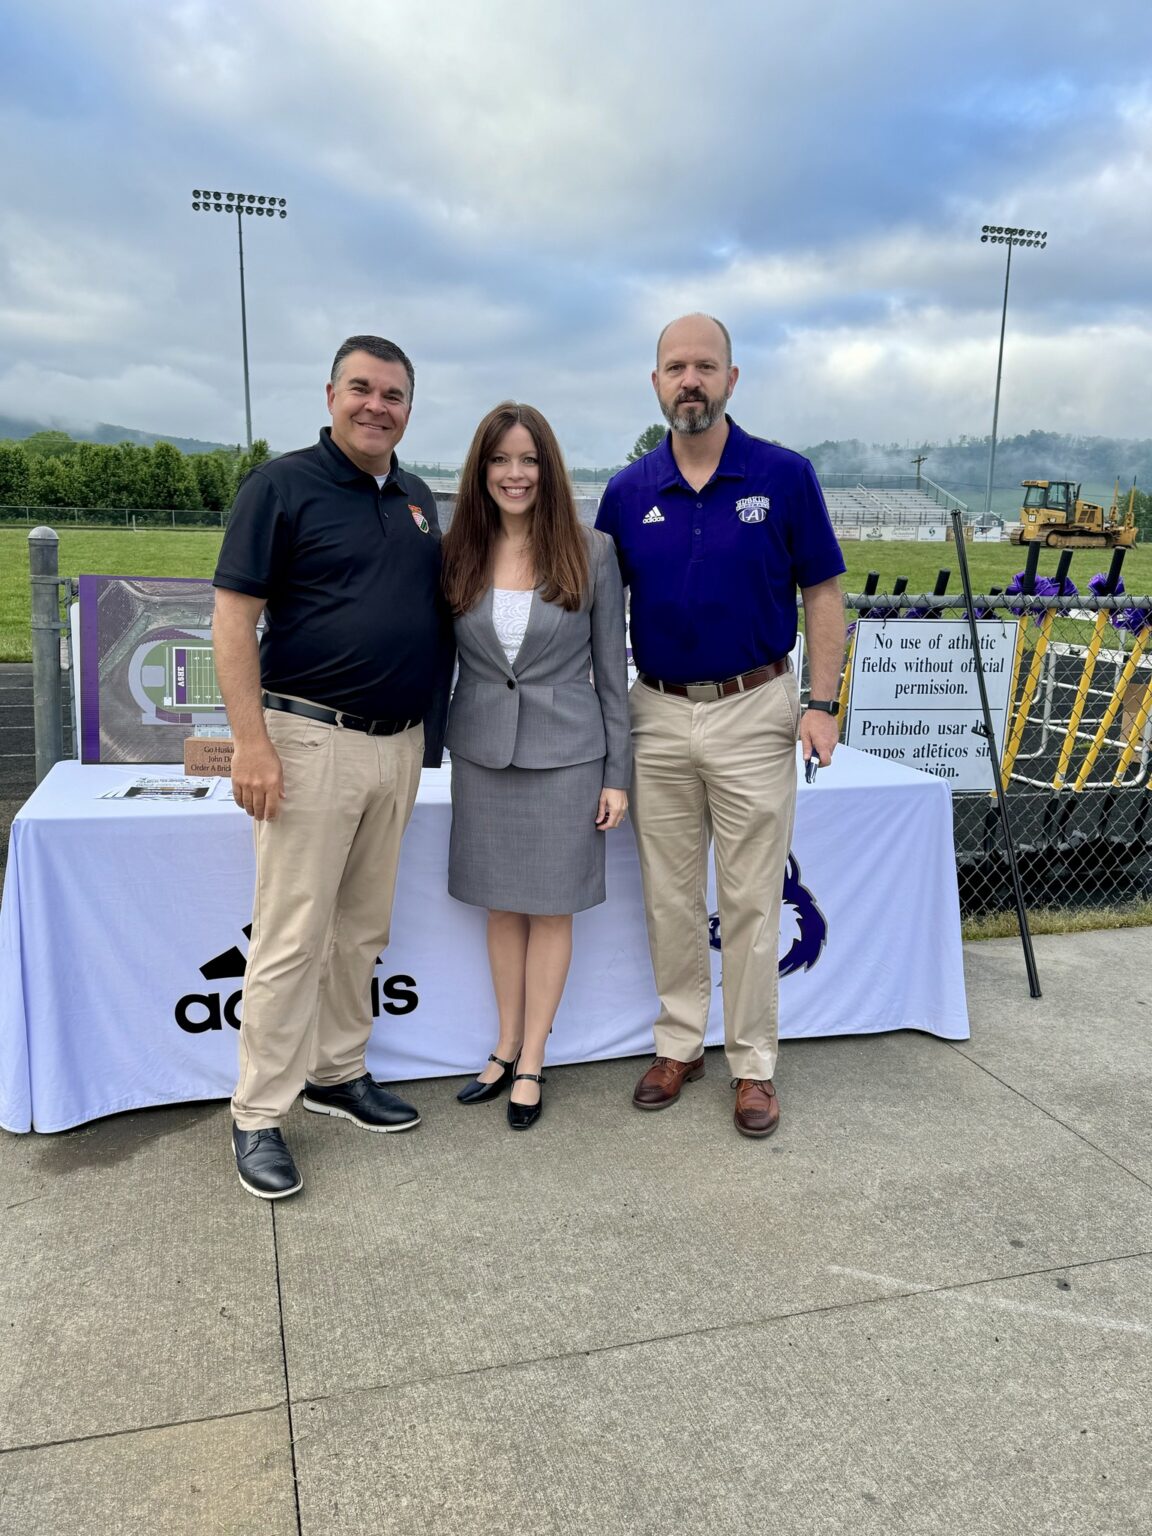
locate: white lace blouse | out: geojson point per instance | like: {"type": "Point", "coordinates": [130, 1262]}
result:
{"type": "Point", "coordinates": [510, 619]}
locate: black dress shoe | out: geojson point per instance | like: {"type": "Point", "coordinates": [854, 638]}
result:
{"type": "Point", "coordinates": [364, 1102]}
{"type": "Point", "coordinates": [477, 1092]}
{"type": "Point", "coordinates": [521, 1116]}
{"type": "Point", "coordinates": [265, 1164]}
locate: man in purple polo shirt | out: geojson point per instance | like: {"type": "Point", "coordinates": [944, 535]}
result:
{"type": "Point", "coordinates": [716, 531]}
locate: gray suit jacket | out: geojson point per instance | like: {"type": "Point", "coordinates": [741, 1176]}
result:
{"type": "Point", "coordinates": [565, 698]}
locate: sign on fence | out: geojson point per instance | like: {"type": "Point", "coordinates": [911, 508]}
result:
{"type": "Point", "coordinates": [914, 695]}
{"type": "Point", "coordinates": [147, 676]}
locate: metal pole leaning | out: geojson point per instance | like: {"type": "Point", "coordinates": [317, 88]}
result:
{"type": "Point", "coordinates": [1028, 692]}
{"type": "Point", "coordinates": [1140, 720]}
{"type": "Point", "coordinates": [988, 731]}
{"type": "Point", "coordinates": [1091, 655]}
{"type": "Point", "coordinates": [842, 697]}
{"type": "Point", "coordinates": [870, 585]}
{"type": "Point", "coordinates": [1113, 708]}
{"type": "Point", "coordinates": [44, 573]}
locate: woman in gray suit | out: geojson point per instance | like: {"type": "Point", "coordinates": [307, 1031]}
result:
{"type": "Point", "coordinates": [537, 728]}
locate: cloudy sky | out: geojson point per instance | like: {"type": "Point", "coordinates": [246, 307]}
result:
{"type": "Point", "coordinates": [521, 192]}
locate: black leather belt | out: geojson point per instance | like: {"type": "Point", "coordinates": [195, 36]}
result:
{"type": "Point", "coordinates": [707, 693]}
{"type": "Point", "coordinates": [337, 717]}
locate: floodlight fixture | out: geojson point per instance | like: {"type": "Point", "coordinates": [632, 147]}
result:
{"type": "Point", "coordinates": [241, 203]}
{"type": "Point", "coordinates": [1009, 235]}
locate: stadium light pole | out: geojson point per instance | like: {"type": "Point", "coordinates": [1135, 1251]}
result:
{"type": "Point", "coordinates": [1003, 234]}
{"type": "Point", "coordinates": [241, 203]}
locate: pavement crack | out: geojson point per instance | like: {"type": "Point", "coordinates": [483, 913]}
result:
{"type": "Point", "coordinates": [139, 1429]}
{"type": "Point", "coordinates": [1051, 1115]}
{"type": "Point", "coordinates": [284, 1364]}
{"type": "Point", "coordinates": [908, 1290]}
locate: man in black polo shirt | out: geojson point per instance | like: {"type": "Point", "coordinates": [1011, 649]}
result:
{"type": "Point", "coordinates": [332, 714]}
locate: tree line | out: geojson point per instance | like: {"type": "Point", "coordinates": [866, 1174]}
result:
{"type": "Point", "coordinates": [51, 469]}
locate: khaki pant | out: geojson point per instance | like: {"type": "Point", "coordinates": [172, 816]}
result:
{"type": "Point", "coordinates": [325, 877]}
{"type": "Point", "coordinates": [724, 770]}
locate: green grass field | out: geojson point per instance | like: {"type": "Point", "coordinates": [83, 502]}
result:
{"type": "Point", "coordinates": [991, 565]}
{"type": "Point", "coordinates": [115, 552]}
{"type": "Point", "coordinates": [94, 552]}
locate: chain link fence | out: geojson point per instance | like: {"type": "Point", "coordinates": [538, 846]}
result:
{"type": "Point", "coordinates": [1077, 748]}
{"type": "Point", "coordinates": [587, 495]}
{"type": "Point", "coordinates": [113, 517]}
{"type": "Point", "coordinates": [1077, 752]}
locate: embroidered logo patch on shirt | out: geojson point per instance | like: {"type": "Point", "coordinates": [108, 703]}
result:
{"type": "Point", "coordinates": [753, 509]}
{"type": "Point", "coordinates": [418, 518]}
{"type": "Point", "coordinates": [655, 516]}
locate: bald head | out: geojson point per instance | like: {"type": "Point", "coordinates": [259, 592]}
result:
{"type": "Point", "coordinates": [694, 376]}
{"type": "Point", "coordinates": [695, 330]}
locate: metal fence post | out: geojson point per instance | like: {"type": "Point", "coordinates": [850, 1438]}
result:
{"type": "Point", "coordinates": [44, 568]}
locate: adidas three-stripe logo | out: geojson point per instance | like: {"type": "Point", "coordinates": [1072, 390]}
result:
{"type": "Point", "coordinates": [655, 516]}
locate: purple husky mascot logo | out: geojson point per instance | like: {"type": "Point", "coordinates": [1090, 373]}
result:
{"type": "Point", "coordinates": [809, 925]}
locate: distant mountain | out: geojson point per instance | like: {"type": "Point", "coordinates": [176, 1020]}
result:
{"type": "Point", "coordinates": [105, 432]}
{"type": "Point", "coordinates": [962, 466]}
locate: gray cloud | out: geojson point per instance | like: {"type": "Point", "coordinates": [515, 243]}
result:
{"type": "Point", "coordinates": [522, 195]}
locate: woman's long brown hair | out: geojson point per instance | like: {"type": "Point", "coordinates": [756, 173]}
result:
{"type": "Point", "coordinates": [556, 539]}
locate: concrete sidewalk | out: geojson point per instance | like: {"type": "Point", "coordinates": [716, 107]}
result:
{"type": "Point", "coordinates": [924, 1306]}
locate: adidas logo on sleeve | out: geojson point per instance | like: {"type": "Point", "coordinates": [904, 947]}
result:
{"type": "Point", "coordinates": [655, 516]}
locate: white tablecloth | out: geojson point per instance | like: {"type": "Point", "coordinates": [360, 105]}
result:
{"type": "Point", "coordinates": [122, 943]}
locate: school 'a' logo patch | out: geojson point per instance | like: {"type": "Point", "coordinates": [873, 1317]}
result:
{"type": "Point", "coordinates": [418, 518]}
{"type": "Point", "coordinates": [753, 509]}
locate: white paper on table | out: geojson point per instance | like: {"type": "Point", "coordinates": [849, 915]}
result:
{"type": "Point", "coordinates": [176, 788]}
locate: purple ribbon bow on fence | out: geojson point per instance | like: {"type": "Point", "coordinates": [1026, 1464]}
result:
{"type": "Point", "coordinates": [1131, 619]}
{"type": "Point", "coordinates": [1045, 586]}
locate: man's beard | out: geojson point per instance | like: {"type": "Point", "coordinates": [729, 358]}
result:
{"type": "Point", "coordinates": [692, 423]}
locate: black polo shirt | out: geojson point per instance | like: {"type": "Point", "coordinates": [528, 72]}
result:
{"type": "Point", "coordinates": [350, 574]}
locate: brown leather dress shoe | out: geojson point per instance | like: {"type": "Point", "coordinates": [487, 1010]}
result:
{"type": "Point", "coordinates": [661, 1084]}
{"type": "Point", "coordinates": [757, 1107]}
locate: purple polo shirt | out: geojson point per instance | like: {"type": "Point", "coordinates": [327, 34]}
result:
{"type": "Point", "coordinates": [714, 573]}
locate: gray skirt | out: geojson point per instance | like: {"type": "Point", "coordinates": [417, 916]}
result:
{"type": "Point", "coordinates": [525, 839]}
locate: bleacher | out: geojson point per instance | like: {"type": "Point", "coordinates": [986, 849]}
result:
{"type": "Point", "coordinates": [858, 506]}
{"type": "Point", "coordinates": [887, 506]}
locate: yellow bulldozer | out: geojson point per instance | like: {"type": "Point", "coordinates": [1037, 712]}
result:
{"type": "Point", "coordinates": [1053, 514]}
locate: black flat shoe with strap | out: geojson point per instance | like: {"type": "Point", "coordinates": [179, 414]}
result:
{"type": "Point", "coordinates": [521, 1116]}
{"type": "Point", "coordinates": [477, 1092]}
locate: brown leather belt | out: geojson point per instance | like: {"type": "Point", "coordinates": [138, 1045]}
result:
{"type": "Point", "coordinates": [707, 693]}
{"type": "Point", "coordinates": [336, 717]}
